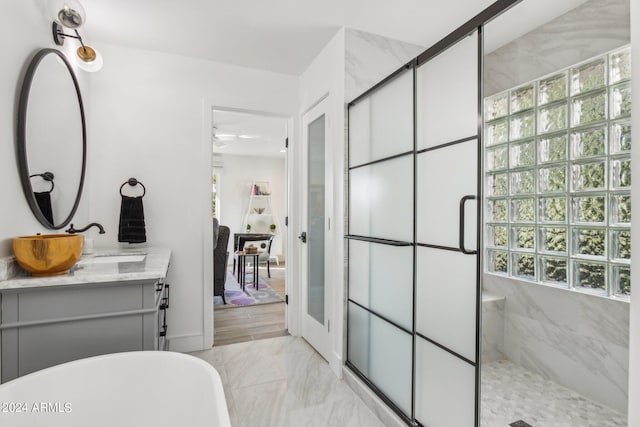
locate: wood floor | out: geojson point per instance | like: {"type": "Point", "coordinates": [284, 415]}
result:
{"type": "Point", "coordinates": [233, 325]}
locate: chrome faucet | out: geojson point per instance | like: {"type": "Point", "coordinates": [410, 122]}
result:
{"type": "Point", "coordinates": [72, 230]}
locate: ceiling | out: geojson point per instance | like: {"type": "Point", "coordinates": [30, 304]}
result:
{"type": "Point", "coordinates": [280, 35]}
{"type": "Point", "coordinates": [245, 134]}
{"type": "Point", "coordinates": [519, 20]}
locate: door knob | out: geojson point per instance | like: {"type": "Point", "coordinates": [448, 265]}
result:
{"type": "Point", "coordinates": [303, 237]}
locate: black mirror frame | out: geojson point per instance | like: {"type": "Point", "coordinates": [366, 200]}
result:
{"type": "Point", "coordinates": [21, 142]}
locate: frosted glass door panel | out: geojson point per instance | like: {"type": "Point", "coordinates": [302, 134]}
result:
{"type": "Point", "coordinates": [445, 176]}
{"type": "Point", "coordinates": [445, 388]}
{"type": "Point", "coordinates": [360, 133]}
{"type": "Point", "coordinates": [387, 357]}
{"type": "Point", "coordinates": [381, 279]}
{"type": "Point", "coordinates": [381, 125]}
{"type": "Point", "coordinates": [316, 218]}
{"type": "Point", "coordinates": [446, 299]}
{"type": "Point", "coordinates": [447, 95]}
{"type": "Point", "coordinates": [381, 200]}
{"type": "Point", "coordinates": [358, 338]}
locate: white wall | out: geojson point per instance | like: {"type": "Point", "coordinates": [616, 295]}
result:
{"type": "Point", "coordinates": [237, 176]}
{"type": "Point", "coordinates": [30, 31]}
{"type": "Point", "coordinates": [634, 346]}
{"type": "Point", "coordinates": [150, 113]}
{"type": "Point", "coordinates": [324, 76]}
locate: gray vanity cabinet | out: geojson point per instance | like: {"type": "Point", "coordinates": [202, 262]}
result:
{"type": "Point", "coordinates": [46, 326]}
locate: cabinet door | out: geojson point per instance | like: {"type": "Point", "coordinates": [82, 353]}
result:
{"type": "Point", "coordinates": [43, 346]}
{"type": "Point", "coordinates": [54, 326]}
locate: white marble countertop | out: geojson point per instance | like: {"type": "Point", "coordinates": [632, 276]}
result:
{"type": "Point", "coordinates": [154, 266]}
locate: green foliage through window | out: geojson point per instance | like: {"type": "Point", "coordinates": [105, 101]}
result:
{"type": "Point", "coordinates": [554, 270]}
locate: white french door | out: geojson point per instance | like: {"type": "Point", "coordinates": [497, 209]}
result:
{"type": "Point", "coordinates": [316, 302]}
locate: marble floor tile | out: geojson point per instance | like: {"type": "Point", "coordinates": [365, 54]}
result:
{"type": "Point", "coordinates": [213, 356]}
{"type": "Point", "coordinates": [284, 382]}
{"type": "Point", "coordinates": [313, 383]}
{"type": "Point", "coordinates": [351, 412]}
{"type": "Point", "coordinates": [231, 407]}
{"type": "Point", "coordinates": [246, 371]}
{"type": "Point", "coordinates": [511, 393]}
{"type": "Point", "coordinates": [263, 405]}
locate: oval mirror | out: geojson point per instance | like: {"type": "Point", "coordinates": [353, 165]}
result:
{"type": "Point", "coordinates": [52, 139]}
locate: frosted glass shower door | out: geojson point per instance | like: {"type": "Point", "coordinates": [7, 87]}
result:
{"type": "Point", "coordinates": [446, 237]}
{"type": "Point", "coordinates": [381, 240]}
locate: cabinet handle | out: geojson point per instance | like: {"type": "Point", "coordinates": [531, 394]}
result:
{"type": "Point", "coordinates": [167, 286]}
{"type": "Point", "coordinates": [163, 332]}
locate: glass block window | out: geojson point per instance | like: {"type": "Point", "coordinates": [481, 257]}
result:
{"type": "Point", "coordinates": [558, 178]}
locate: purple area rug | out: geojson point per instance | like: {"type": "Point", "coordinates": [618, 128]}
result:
{"type": "Point", "coordinates": [251, 296]}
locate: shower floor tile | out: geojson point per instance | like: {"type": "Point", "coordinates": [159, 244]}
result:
{"type": "Point", "coordinates": [511, 393]}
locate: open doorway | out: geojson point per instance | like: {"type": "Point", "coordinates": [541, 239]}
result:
{"type": "Point", "coordinates": [249, 186]}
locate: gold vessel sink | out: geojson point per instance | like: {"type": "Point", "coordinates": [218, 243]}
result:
{"type": "Point", "coordinates": [48, 254]}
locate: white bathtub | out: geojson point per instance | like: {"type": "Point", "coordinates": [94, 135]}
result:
{"type": "Point", "coordinates": [144, 388]}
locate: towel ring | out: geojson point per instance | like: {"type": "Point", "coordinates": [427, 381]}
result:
{"type": "Point", "coordinates": [133, 182]}
{"type": "Point", "coordinates": [47, 176]}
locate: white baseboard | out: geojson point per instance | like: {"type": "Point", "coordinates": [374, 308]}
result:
{"type": "Point", "coordinates": [186, 343]}
{"type": "Point", "coordinates": [336, 364]}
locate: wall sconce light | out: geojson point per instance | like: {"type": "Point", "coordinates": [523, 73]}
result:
{"type": "Point", "coordinates": [70, 14]}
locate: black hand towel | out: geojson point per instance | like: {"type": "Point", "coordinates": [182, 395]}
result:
{"type": "Point", "coordinates": [44, 203]}
{"type": "Point", "coordinates": [132, 227]}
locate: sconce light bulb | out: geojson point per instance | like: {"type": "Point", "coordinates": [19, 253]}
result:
{"type": "Point", "coordinates": [68, 13]}
{"type": "Point", "coordinates": [70, 18]}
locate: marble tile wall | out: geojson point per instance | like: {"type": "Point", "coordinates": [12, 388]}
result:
{"type": "Point", "coordinates": [578, 340]}
{"type": "Point", "coordinates": [492, 328]}
{"type": "Point", "coordinates": [593, 28]}
{"type": "Point", "coordinates": [369, 58]}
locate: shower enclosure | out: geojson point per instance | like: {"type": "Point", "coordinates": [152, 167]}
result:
{"type": "Point", "coordinates": [415, 150]}
{"type": "Point", "coordinates": [416, 256]}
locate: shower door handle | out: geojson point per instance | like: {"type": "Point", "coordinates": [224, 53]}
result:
{"type": "Point", "coordinates": [463, 201]}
